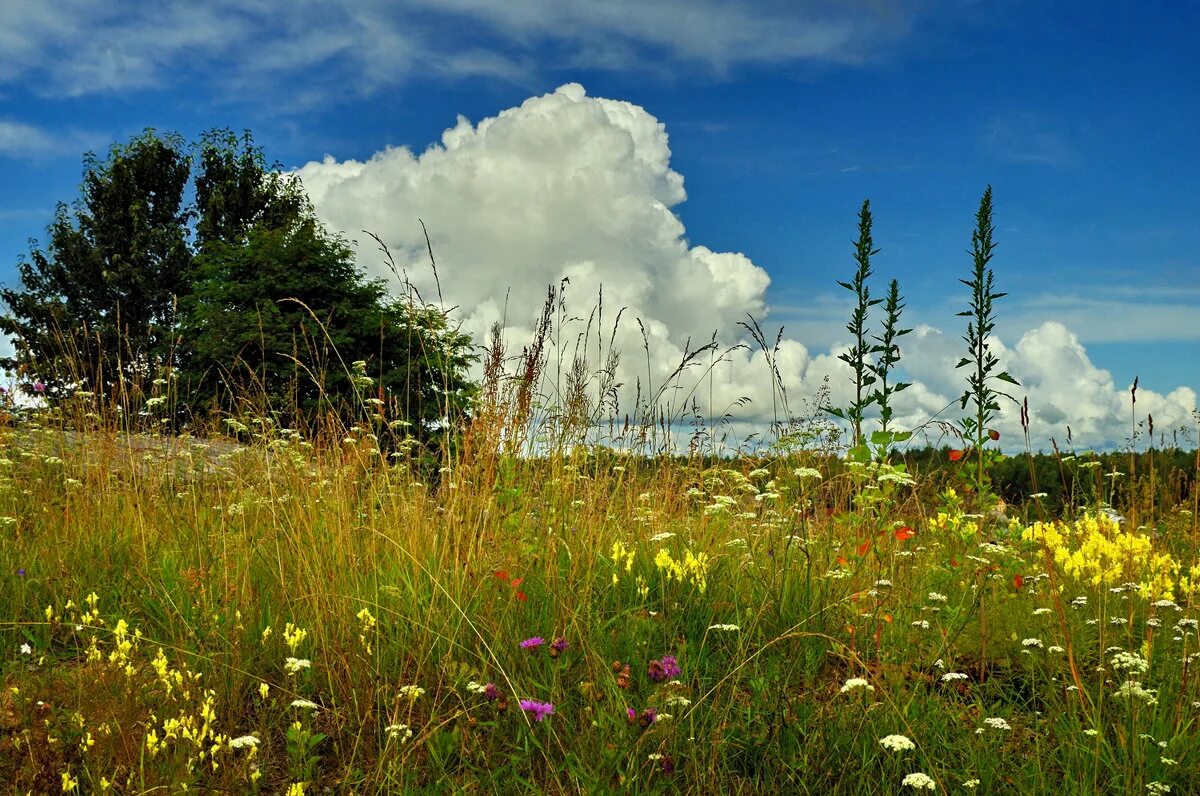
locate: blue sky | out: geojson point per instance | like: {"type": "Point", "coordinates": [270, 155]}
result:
{"type": "Point", "coordinates": [781, 116]}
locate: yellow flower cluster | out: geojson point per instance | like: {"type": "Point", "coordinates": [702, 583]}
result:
{"type": "Point", "coordinates": [1095, 550]}
{"type": "Point", "coordinates": [946, 523]}
{"type": "Point", "coordinates": [366, 629]}
{"type": "Point", "coordinates": [693, 567]}
{"type": "Point", "coordinates": [622, 559]}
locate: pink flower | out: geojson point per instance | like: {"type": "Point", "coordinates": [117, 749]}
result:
{"type": "Point", "coordinates": [540, 710]}
{"type": "Point", "coordinates": [530, 643]}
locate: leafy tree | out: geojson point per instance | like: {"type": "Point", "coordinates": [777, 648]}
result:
{"type": "Point", "coordinates": [100, 301]}
{"type": "Point", "coordinates": [236, 190]}
{"type": "Point", "coordinates": [286, 314]}
{"type": "Point", "coordinates": [260, 300]}
{"type": "Point", "coordinates": [279, 308]}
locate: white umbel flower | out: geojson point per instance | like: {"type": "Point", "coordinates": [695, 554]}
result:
{"type": "Point", "coordinates": [897, 743]}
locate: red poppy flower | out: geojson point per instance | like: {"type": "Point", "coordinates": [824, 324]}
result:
{"type": "Point", "coordinates": [517, 582]}
{"type": "Point", "coordinates": [1018, 582]}
{"type": "Point", "coordinates": [904, 534]}
{"type": "Point", "coordinates": [501, 574]}
{"type": "Point", "coordinates": [863, 548]}
{"type": "Point", "coordinates": [955, 455]}
{"type": "Point", "coordinates": [522, 596]}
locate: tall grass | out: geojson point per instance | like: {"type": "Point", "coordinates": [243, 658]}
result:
{"type": "Point", "coordinates": [254, 607]}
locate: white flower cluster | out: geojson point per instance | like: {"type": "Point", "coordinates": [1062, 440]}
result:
{"type": "Point", "coordinates": [897, 743]}
{"type": "Point", "coordinates": [856, 682]}
{"type": "Point", "coordinates": [919, 781]}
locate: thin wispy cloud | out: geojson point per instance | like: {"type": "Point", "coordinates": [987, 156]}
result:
{"type": "Point", "coordinates": [81, 47]}
{"type": "Point", "coordinates": [1028, 138]}
{"type": "Point", "coordinates": [28, 142]}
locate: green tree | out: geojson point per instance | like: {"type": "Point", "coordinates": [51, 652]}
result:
{"type": "Point", "coordinates": [256, 300]}
{"type": "Point", "coordinates": [236, 190]}
{"type": "Point", "coordinates": [100, 301]}
{"type": "Point", "coordinates": [280, 310]}
{"type": "Point", "coordinates": [285, 315]}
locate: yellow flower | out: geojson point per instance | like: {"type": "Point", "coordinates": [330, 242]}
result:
{"type": "Point", "coordinates": [69, 783]}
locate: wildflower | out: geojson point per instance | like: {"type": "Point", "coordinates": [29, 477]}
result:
{"type": "Point", "coordinates": [921, 624]}
{"type": "Point", "coordinates": [856, 682]}
{"type": "Point", "coordinates": [293, 636]}
{"type": "Point", "coordinates": [39, 387]}
{"type": "Point", "coordinates": [411, 692]}
{"type": "Point", "coordinates": [919, 781]}
{"type": "Point", "coordinates": [1040, 611]}
{"type": "Point", "coordinates": [26, 649]}
{"type": "Point", "coordinates": [997, 723]}
{"type": "Point", "coordinates": [1091, 732]}
{"type": "Point", "coordinates": [807, 472]}
{"type": "Point", "coordinates": [1132, 689]}
{"type": "Point", "coordinates": [729, 628]}
{"type": "Point", "coordinates": [971, 784]}
{"type": "Point", "coordinates": [1157, 787]}
{"type": "Point", "coordinates": [491, 693]}
{"type": "Point", "coordinates": [663, 669]}
{"type": "Point", "coordinates": [263, 690]}
{"type": "Point", "coordinates": [935, 597]}
{"type": "Point", "coordinates": [305, 704]}
{"type": "Point", "coordinates": [897, 743]}
{"type": "Point", "coordinates": [951, 676]}
{"type": "Point", "coordinates": [69, 783]}
{"type": "Point", "coordinates": [534, 641]}
{"type": "Point", "coordinates": [540, 710]}
{"type": "Point", "coordinates": [295, 789]}
{"type": "Point", "coordinates": [559, 645]}
{"type": "Point", "coordinates": [243, 742]}
{"type": "Point", "coordinates": [294, 665]}
{"type": "Point", "coordinates": [1032, 642]}
{"type": "Point", "coordinates": [398, 732]}
{"type": "Point", "coordinates": [1131, 662]}
{"type": "Point", "coordinates": [644, 719]}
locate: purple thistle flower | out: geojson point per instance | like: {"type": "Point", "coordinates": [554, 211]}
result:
{"type": "Point", "coordinates": [632, 714]}
{"type": "Point", "coordinates": [663, 669]}
{"type": "Point", "coordinates": [38, 386]}
{"type": "Point", "coordinates": [560, 644]}
{"type": "Point", "coordinates": [490, 692]}
{"type": "Point", "coordinates": [530, 643]}
{"type": "Point", "coordinates": [540, 710]}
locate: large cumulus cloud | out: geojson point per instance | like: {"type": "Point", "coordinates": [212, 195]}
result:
{"type": "Point", "coordinates": [570, 187]}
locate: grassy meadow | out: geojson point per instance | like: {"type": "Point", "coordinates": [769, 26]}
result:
{"type": "Point", "coordinates": [268, 611]}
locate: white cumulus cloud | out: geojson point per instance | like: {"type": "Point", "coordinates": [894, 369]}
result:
{"type": "Point", "coordinates": [570, 187]}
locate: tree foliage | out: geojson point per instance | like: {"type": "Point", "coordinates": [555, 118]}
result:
{"type": "Point", "coordinates": [242, 294]}
{"type": "Point", "coordinates": [100, 301]}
